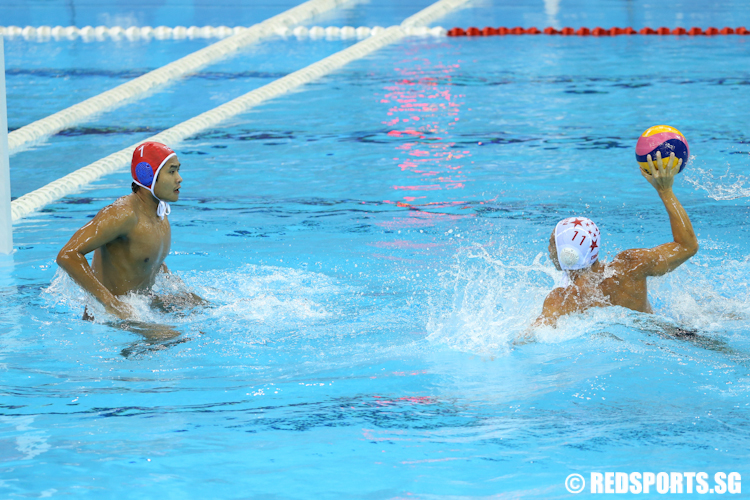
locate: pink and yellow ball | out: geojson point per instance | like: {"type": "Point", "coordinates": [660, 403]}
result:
{"type": "Point", "coordinates": [665, 139]}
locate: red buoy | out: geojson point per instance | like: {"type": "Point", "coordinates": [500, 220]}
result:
{"type": "Point", "coordinates": [615, 31]}
{"type": "Point", "coordinates": [567, 31]}
{"type": "Point", "coordinates": [551, 31]}
{"type": "Point", "coordinates": [679, 31]}
{"type": "Point", "coordinates": [695, 31]}
{"type": "Point", "coordinates": [647, 31]}
{"type": "Point", "coordinates": [629, 31]}
{"type": "Point", "coordinates": [742, 31]}
{"type": "Point", "coordinates": [583, 32]}
{"type": "Point", "coordinates": [727, 31]}
{"type": "Point", "coordinates": [517, 31]}
{"type": "Point", "coordinates": [663, 31]}
{"type": "Point", "coordinates": [473, 32]}
{"type": "Point", "coordinates": [712, 31]}
{"type": "Point", "coordinates": [502, 30]}
{"type": "Point", "coordinates": [599, 32]}
{"type": "Point", "coordinates": [488, 31]}
{"type": "Point", "coordinates": [532, 31]}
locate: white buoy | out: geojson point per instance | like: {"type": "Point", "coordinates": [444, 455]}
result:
{"type": "Point", "coordinates": [147, 32]}
{"type": "Point", "coordinates": [162, 32]}
{"type": "Point", "coordinates": [87, 33]}
{"type": "Point", "coordinates": [363, 32]}
{"type": "Point", "coordinates": [301, 32]}
{"type": "Point", "coordinates": [133, 33]}
{"type": "Point", "coordinates": [58, 32]}
{"type": "Point", "coordinates": [317, 32]}
{"type": "Point", "coordinates": [101, 33]}
{"type": "Point", "coordinates": [348, 32]}
{"type": "Point", "coordinates": [71, 32]}
{"type": "Point", "coordinates": [224, 31]}
{"type": "Point", "coordinates": [29, 33]}
{"type": "Point", "coordinates": [116, 33]}
{"type": "Point", "coordinates": [13, 31]}
{"type": "Point", "coordinates": [438, 31]}
{"type": "Point", "coordinates": [193, 32]}
{"type": "Point", "coordinates": [6, 222]}
{"type": "Point", "coordinates": [377, 30]}
{"type": "Point", "coordinates": [208, 32]}
{"type": "Point", "coordinates": [43, 33]}
{"type": "Point", "coordinates": [282, 31]}
{"type": "Point", "coordinates": [333, 33]}
{"type": "Point", "coordinates": [179, 33]}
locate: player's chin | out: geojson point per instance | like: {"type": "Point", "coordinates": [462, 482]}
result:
{"type": "Point", "coordinates": [175, 195]}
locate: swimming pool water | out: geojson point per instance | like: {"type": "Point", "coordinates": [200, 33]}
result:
{"type": "Point", "coordinates": [370, 245]}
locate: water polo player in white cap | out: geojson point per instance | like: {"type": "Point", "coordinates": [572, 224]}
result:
{"type": "Point", "coordinates": [131, 237]}
{"type": "Point", "coordinates": [574, 248]}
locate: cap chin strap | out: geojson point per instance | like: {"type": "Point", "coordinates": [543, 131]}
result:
{"type": "Point", "coordinates": [163, 208]}
{"type": "Point", "coordinates": [565, 281]}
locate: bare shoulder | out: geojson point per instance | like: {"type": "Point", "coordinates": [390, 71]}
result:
{"type": "Point", "coordinates": [119, 216]}
{"type": "Point", "coordinates": [559, 302]}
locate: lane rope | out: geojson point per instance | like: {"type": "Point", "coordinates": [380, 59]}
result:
{"type": "Point", "coordinates": [70, 183]}
{"type": "Point", "coordinates": [147, 33]}
{"type": "Point", "coordinates": [518, 30]}
{"type": "Point", "coordinates": [111, 99]}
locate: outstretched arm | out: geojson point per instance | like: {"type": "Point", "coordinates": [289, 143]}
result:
{"type": "Point", "coordinates": [109, 224]}
{"type": "Point", "coordinates": [669, 256]}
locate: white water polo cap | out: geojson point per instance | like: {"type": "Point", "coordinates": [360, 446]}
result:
{"type": "Point", "coordinates": [148, 159]}
{"type": "Point", "coordinates": [577, 241]}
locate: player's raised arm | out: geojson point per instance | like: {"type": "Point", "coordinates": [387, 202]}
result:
{"type": "Point", "coordinates": [667, 257]}
{"type": "Point", "coordinates": [109, 224]}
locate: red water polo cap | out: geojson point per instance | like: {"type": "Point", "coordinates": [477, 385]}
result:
{"type": "Point", "coordinates": [148, 158]}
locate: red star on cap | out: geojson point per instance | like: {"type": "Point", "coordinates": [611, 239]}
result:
{"type": "Point", "coordinates": [577, 222]}
{"type": "Point", "coordinates": [593, 245]}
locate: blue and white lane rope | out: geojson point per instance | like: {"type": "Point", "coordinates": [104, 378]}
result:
{"type": "Point", "coordinates": [191, 63]}
{"type": "Point", "coordinates": [147, 33]}
{"type": "Point", "coordinates": [72, 182]}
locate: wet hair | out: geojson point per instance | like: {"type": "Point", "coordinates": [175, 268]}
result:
{"type": "Point", "coordinates": [135, 187]}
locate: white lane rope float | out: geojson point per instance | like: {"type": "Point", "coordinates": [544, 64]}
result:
{"type": "Point", "coordinates": [70, 183]}
{"type": "Point", "coordinates": [147, 33]}
{"type": "Point", "coordinates": [186, 65]}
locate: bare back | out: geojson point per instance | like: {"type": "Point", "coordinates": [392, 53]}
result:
{"type": "Point", "coordinates": [623, 281]}
{"type": "Point", "coordinates": [608, 284]}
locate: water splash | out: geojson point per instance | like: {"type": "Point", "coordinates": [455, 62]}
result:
{"type": "Point", "coordinates": [485, 302]}
{"type": "Point", "coordinates": [262, 294]}
{"type": "Point", "coordinates": [728, 186]}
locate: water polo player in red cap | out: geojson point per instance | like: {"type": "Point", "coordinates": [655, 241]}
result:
{"type": "Point", "coordinates": [574, 249]}
{"type": "Point", "coordinates": [131, 237]}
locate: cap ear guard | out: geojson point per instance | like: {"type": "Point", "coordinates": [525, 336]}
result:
{"type": "Point", "coordinates": [144, 173]}
{"type": "Point", "coordinates": [568, 257]}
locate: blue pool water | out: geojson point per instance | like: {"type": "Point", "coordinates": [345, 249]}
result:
{"type": "Point", "coordinates": [370, 245]}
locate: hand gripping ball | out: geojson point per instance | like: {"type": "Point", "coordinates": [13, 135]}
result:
{"type": "Point", "coordinates": [665, 139]}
